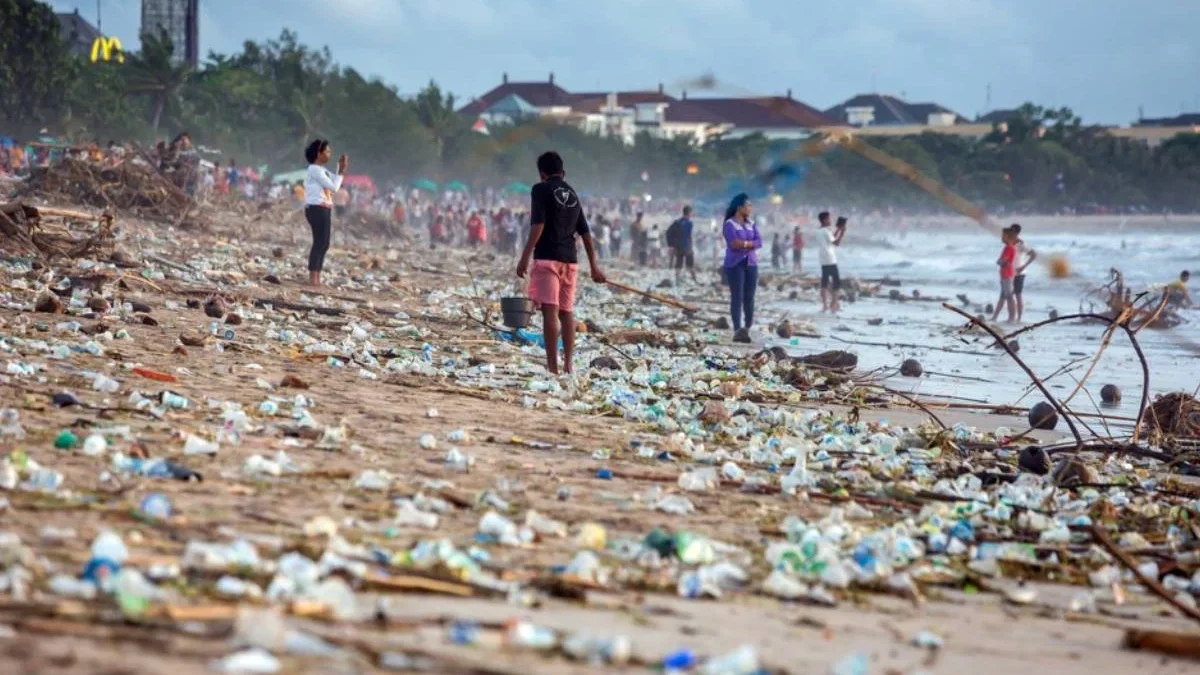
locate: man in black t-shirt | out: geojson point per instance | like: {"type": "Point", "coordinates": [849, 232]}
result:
{"type": "Point", "coordinates": [556, 219]}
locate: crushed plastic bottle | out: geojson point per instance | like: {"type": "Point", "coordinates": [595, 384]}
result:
{"type": "Point", "coordinates": [408, 515]}
{"type": "Point", "coordinates": [699, 480]}
{"type": "Point", "coordinates": [194, 445]}
{"type": "Point", "coordinates": [675, 504]}
{"type": "Point", "coordinates": [741, 661]}
{"type": "Point", "coordinates": [598, 651]}
{"type": "Point", "coordinates": [156, 505]}
{"type": "Point", "coordinates": [500, 529]}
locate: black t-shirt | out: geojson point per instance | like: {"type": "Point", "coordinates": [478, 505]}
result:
{"type": "Point", "coordinates": [554, 204]}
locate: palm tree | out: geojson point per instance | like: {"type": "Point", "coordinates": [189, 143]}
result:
{"type": "Point", "coordinates": [436, 113]}
{"type": "Point", "coordinates": [154, 72]}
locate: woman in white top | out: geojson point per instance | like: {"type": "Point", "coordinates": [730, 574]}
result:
{"type": "Point", "coordinates": [319, 188]}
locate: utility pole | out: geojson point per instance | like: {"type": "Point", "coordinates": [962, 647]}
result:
{"type": "Point", "coordinates": [987, 99]}
{"type": "Point", "coordinates": [99, 19]}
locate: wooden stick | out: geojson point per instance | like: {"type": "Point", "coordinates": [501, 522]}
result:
{"type": "Point", "coordinates": [1164, 642]}
{"type": "Point", "coordinates": [654, 296]}
{"type": "Point", "coordinates": [1152, 584]}
{"type": "Point", "coordinates": [1066, 415]}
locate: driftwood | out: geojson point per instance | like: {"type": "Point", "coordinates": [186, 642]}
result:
{"type": "Point", "coordinates": [654, 296]}
{"type": "Point", "coordinates": [24, 230]}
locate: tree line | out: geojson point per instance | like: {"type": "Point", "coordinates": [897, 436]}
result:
{"type": "Point", "coordinates": [260, 105]}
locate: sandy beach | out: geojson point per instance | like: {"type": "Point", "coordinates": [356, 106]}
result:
{"type": "Point", "coordinates": [524, 443]}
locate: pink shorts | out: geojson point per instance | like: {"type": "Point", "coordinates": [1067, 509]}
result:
{"type": "Point", "coordinates": [553, 283]}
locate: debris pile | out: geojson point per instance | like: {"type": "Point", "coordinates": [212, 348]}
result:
{"type": "Point", "coordinates": [131, 187]}
{"type": "Point", "coordinates": [1175, 418]}
{"type": "Point", "coordinates": [28, 230]}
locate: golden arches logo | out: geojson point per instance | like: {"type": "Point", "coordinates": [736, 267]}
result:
{"type": "Point", "coordinates": [107, 49]}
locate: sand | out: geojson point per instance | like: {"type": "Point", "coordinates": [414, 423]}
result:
{"type": "Point", "coordinates": [527, 454]}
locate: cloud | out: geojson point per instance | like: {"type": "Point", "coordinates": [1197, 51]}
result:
{"type": "Point", "coordinates": [1102, 57]}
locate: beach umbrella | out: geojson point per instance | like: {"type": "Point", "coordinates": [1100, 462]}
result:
{"type": "Point", "coordinates": [518, 187]}
{"type": "Point", "coordinates": [425, 184]}
{"type": "Point", "coordinates": [290, 176]}
{"type": "Point", "coordinates": [457, 186]}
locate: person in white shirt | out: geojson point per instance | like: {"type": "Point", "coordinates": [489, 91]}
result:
{"type": "Point", "coordinates": [831, 282]}
{"type": "Point", "coordinates": [319, 188]}
{"type": "Point", "coordinates": [1025, 258]}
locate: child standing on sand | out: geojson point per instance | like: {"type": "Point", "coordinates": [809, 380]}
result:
{"type": "Point", "coordinates": [556, 219]}
{"type": "Point", "coordinates": [1008, 271]}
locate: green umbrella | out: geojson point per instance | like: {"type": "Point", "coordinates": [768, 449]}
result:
{"type": "Point", "coordinates": [290, 176]}
{"type": "Point", "coordinates": [457, 186]}
{"type": "Point", "coordinates": [425, 184]}
{"type": "Point", "coordinates": [518, 187]}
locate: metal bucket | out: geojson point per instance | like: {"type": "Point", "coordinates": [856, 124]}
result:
{"type": "Point", "coordinates": [516, 311]}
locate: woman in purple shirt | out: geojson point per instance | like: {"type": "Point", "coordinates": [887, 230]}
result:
{"type": "Point", "coordinates": [742, 242]}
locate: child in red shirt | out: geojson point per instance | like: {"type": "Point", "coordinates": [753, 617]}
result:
{"type": "Point", "coordinates": [1008, 271]}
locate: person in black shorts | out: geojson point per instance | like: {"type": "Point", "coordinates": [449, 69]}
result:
{"type": "Point", "coordinates": [829, 238]}
{"type": "Point", "coordinates": [680, 237]}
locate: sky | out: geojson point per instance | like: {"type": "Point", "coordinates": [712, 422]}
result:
{"type": "Point", "coordinates": [1102, 58]}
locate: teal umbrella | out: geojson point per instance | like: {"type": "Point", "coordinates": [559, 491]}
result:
{"type": "Point", "coordinates": [457, 186]}
{"type": "Point", "coordinates": [425, 184]}
{"type": "Point", "coordinates": [518, 187]}
{"type": "Point", "coordinates": [290, 177]}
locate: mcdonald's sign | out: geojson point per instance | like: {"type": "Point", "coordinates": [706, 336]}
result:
{"type": "Point", "coordinates": [107, 49]}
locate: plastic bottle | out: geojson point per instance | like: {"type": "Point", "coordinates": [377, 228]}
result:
{"type": "Point", "coordinates": [741, 661]}
{"type": "Point", "coordinates": [677, 505]}
{"type": "Point", "coordinates": [94, 446]}
{"type": "Point", "coordinates": [530, 635]}
{"type": "Point", "coordinates": [499, 528]}
{"type": "Point", "coordinates": [543, 526]}
{"type": "Point", "coordinates": [597, 650]}
{"type": "Point", "coordinates": [408, 515]}
{"type": "Point", "coordinates": [194, 445]}
{"type": "Point", "coordinates": [66, 440]}
{"type": "Point", "coordinates": [156, 505]}
{"type": "Point", "coordinates": [172, 400]}
{"type": "Point", "coordinates": [698, 480]}
{"type": "Point", "coordinates": [109, 545]}
{"type": "Point", "coordinates": [733, 472]}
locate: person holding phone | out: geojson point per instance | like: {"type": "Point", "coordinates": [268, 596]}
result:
{"type": "Point", "coordinates": [831, 281]}
{"type": "Point", "coordinates": [319, 188]}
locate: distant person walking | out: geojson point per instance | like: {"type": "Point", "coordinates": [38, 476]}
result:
{"type": "Point", "coordinates": [319, 188]}
{"type": "Point", "coordinates": [681, 240]}
{"type": "Point", "coordinates": [1008, 271]}
{"type": "Point", "coordinates": [830, 239]}
{"type": "Point", "coordinates": [797, 250]}
{"type": "Point", "coordinates": [776, 251]}
{"type": "Point", "coordinates": [1025, 258]}
{"type": "Point", "coordinates": [742, 242]}
{"type": "Point", "coordinates": [641, 240]}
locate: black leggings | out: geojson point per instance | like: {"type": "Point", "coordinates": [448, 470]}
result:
{"type": "Point", "coordinates": [320, 219]}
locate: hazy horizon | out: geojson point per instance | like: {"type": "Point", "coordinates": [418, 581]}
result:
{"type": "Point", "coordinates": [1102, 58]}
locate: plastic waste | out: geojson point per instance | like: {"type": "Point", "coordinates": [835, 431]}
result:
{"type": "Point", "coordinates": [855, 664]}
{"type": "Point", "coordinates": [194, 445]}
{"type": "Point", "coordinates": [531, 636]}
{"type": "Point", "coordinates": [253, 661]}
{"type": "Point", "coordinates": [614, 651]}
{"type": "Point", "coordinates": [543, 526]}
{"type": "Point", "coordinates": [741, 661]}
{"type": "Point", "coordinates": [675, 504]}
{"type": "Point", "coordinates": [156, 505]}
{"type": "Point", "coordinates": [699, 480]}
{"type": "Point", "coordinates": [408, 515]}
{"type": "Point", "coordinates": [373, 479]}
{"type": "Point", "coordinates": [500, 529]}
